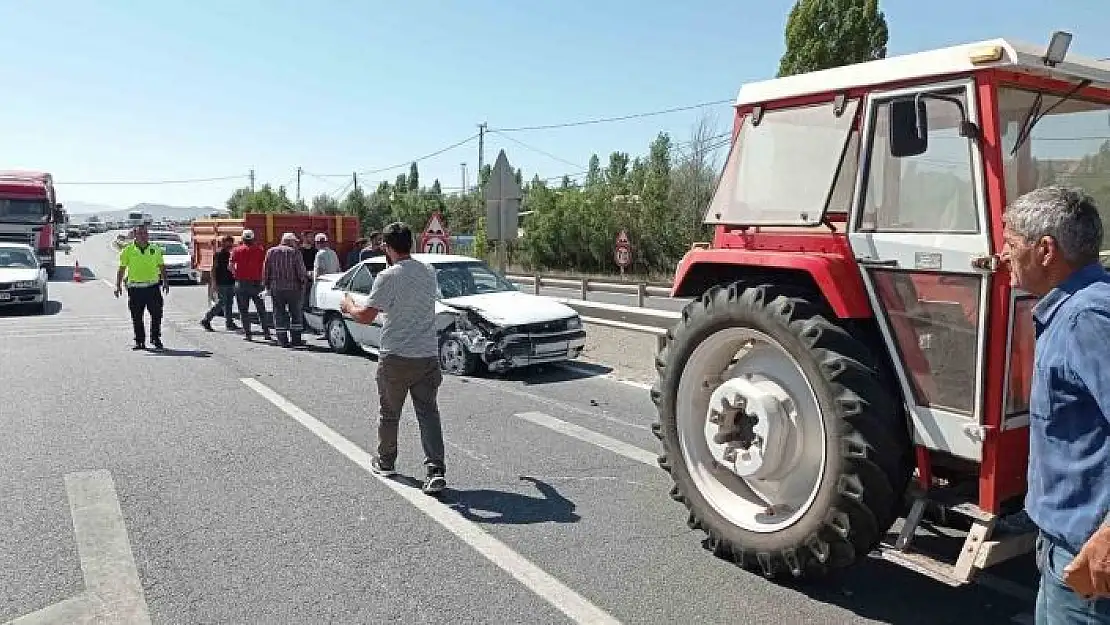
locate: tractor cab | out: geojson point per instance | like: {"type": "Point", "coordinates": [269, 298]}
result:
{"type": "Point", "coordinates": [857, 354]}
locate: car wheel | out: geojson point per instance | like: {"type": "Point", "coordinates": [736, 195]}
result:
{"type": "Point", "coordinates": [339, 338]}
{"type": "Point", "coordinates": [455, 358]}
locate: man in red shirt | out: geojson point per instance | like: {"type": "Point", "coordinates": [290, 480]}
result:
{"type": "Point", "coordinates": [246, 266]}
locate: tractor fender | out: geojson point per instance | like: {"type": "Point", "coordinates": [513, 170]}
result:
{"type": "Point", "coordinates": [836, 277]}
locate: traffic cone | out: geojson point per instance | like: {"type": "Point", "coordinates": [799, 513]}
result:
{"type": "Point", "coordinates": [77, 271]}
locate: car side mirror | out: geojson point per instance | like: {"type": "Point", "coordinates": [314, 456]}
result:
{"type": "Point", "coordinates": [909, 127]}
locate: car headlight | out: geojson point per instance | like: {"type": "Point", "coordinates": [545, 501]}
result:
{"type": "Point", "coordinates": [27, 284]}
{"type": "Point", "coordinates": [574, 323]}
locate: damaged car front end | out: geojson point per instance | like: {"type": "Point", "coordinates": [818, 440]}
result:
{"type": "Point", "coordinates": [473, 340]}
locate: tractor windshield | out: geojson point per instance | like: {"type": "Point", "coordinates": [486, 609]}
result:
{"type": "Point", "coordinates": [1070, 145]}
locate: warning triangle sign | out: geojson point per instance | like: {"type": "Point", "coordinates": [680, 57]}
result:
{"type": "Point", "coordinates": [435, 225]}
{"type": "Point", "coordinates": [622, 238]}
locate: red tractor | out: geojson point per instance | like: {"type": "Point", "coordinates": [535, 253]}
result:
{"type": "Point", "coordinates": [856, 353]}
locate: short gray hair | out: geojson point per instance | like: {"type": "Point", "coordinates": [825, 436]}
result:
{"type": "Point", "coordinates": [1067, 214]}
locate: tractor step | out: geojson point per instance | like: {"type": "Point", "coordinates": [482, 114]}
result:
{"type": "Point", "coordinates": [982, 548]}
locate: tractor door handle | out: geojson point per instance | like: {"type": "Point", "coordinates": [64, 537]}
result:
{"type": "Point", "coordinates": [873, 262]}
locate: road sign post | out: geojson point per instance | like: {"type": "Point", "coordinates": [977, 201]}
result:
{"type": "Point", "coordinates": [503, 196]}
{"type": "Point", "coordinates": [622, 251]}
{"type": "Point", "coordinates": [435, 239]}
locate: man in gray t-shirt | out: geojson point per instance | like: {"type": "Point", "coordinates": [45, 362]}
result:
{"type": "Point", "coordinates": [408, 360]}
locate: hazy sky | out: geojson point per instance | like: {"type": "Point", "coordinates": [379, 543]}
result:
{"type": "Point", "coordinates": [110, 90]}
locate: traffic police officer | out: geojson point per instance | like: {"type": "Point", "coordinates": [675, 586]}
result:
{"type": "Point", "coordinates": [146, 271]}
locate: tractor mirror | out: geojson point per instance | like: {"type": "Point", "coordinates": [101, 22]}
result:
{"type": "Point", "coordinates": [909, 127]}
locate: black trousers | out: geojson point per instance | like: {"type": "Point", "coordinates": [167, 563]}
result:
{"type": "Point", "coordinates": [146, 298]}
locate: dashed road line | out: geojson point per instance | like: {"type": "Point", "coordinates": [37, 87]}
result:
{"type": "Point", "coordinates": [574, 606]}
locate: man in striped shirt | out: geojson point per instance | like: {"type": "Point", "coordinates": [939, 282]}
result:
{"type": "Point", "coordinates": [285, 277]}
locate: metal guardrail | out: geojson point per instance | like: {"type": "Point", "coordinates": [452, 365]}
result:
{"type": "Point", "coordinates": [631, 318]}
{"type": "Point", "coordinates": [586, 286]}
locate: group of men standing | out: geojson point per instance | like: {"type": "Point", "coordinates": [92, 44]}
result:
{"type": "Point", "coordinates": [242, 273]}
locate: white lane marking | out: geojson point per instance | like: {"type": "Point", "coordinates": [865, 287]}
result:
{"type": "Point", "coordinates": [111, 284]}
{"type": "Point", "coordinates": [79, 609]}
{"type": "Point", "coordinates": [603, 376]}
{"type": "Point", "coordinates": [505, 388]}
{"type": "Point", "coordinates": [113, 592]}
{"type": "Point", "coordinates": [547, 587]}
{"type": "Point", "coordinates": [622, 448]}
{"type": "Point", "coordinates": [102, 544]}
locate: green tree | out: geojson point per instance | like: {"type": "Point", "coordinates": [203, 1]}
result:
{"type": "Point", "coordinates": [414, 178]}
{"type": "Point", "coordinates": [325, 204]}
{"type": "Point", "coordinates": [821, 34]}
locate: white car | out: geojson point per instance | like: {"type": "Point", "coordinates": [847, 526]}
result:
{"type": "Point", "coordinates": [179, 263]}
{"type": "Point", "coordinates": [483, 319]}
{"type": "Point", "coordinates": [23, 279]}
{"type": "Point", "coordinates": [157, 236]}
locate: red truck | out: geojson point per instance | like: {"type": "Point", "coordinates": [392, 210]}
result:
{"type": "Point", "coordinates": [30, 214]}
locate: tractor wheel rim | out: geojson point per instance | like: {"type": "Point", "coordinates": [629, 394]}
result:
{"type": "Point", "coordinates": [760, 474]}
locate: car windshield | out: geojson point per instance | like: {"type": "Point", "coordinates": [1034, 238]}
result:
{"type": "Point", "coordinates": [16, 258]}
{"type": "Point", "coordinates": [469, 278]}
{"type": "Point", "coordinates": [22, 210]}
{"type": "Point", "coordinates": [173, 249]}
{"type": "Point", "coordinates": [164, 236]}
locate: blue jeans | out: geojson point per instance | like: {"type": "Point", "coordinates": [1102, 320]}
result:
{"type": "Point", "coordinates": [1058, 604]}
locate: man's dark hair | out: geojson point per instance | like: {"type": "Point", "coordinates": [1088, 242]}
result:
{"type": "Point", "coordinates": [375, 235]}
{"type": "Point", "coordinates": [398, 236]}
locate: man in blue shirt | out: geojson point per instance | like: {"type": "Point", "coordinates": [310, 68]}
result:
{"type": "Point", "coordinates": [1052, 240]}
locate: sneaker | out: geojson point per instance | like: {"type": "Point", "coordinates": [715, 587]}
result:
{"type": "Point", "coordinates": [157, 343]}
{"type": "Point", "coordinates": [435, 482]}
{"type": "Point", "coordinates": [383, 470]}
{"type": "Point", "coordinates": [206, 324]}
{"type": "Point", "coordinates": [139, 345]}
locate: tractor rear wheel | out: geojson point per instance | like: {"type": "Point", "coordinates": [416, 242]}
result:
{"type": "Point", "coordinates": [780, 438]}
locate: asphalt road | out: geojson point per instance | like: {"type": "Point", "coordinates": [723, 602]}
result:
{"type": "Point", "coordinates": [224, 481]}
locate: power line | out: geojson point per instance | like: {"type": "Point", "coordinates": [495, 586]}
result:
{"type": "Point", "coordinates": [606, 120]}
{"type": "Point", "coordinates": [406, 162]}
{"type": "Point", "coordinates": [153, 182]}
{"type": "Point", "coordinates": [537, 150]}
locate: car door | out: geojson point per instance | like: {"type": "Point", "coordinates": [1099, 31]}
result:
{"type": "Point", "coordinates": [358, 287]}
{"type": "Point", "coordinates": [373, 331]}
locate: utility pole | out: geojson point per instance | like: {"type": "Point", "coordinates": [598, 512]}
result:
{"type": "Point", "coordinates": [252, 181]}
{"type": "Point", "coordinates": [354, 180]}
{"type": "Point", "coordinates": [463, 178]}
{"type": "Point", "coordinates": [299, 186]}
{"type": "Point", "coordinates": [481, 151]}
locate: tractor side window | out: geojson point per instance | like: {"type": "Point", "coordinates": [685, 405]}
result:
{"type": "Point", "coordinates": [934, 318]}
{"type": "Point", "coordinates": [930, 192]}
{"type": "Point", "coordinates": [781, 171]}
{"type": "Point", "coordinates": [1021, 357]}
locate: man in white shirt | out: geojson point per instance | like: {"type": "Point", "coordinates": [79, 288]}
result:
{"type": "Point", "coordinates": [327, 261]}
{"type": "Point", "coordinates": [408, 361]}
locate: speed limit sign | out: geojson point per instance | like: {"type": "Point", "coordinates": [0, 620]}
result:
{"type": "Point", "coordinates": [435, 239]}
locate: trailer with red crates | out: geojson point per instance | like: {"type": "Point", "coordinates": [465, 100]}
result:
{"type": "Point", "coordinates": [30, 213]}
{"type": "Point", "coordinates": [205, 234]}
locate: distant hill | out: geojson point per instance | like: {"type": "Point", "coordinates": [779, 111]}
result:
{"type": "Point", "coordinates": [159, 211]}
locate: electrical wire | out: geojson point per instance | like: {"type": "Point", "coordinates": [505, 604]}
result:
{"type": "Point", "coordinates": [535, 149]}
{"type": "Point", "coordinates": [607, 120]}
{"type": "Point", "coordinates": [152, 182]}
